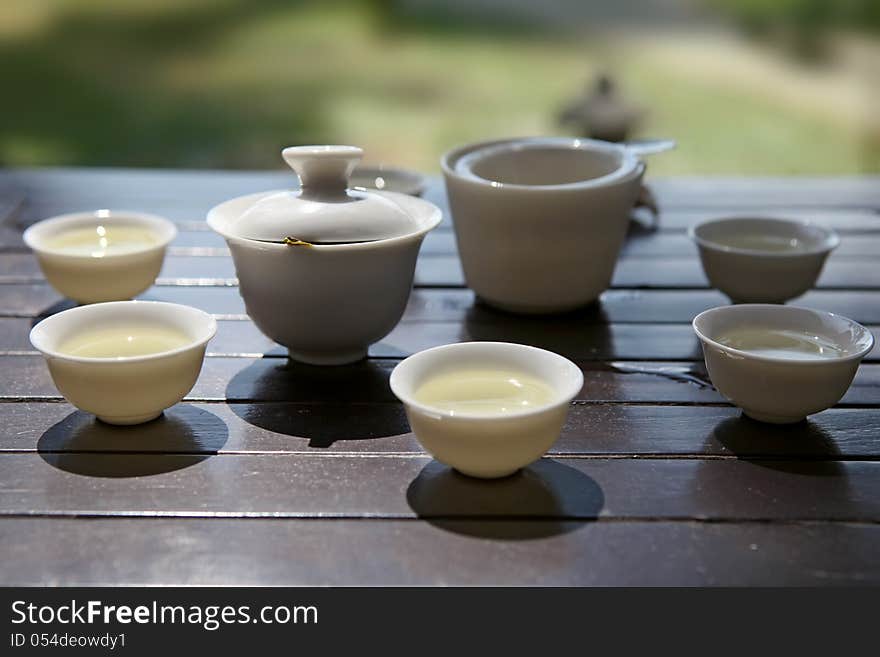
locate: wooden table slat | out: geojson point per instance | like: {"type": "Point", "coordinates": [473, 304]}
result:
{"type": "Point", "coordinates": [615, 306]}
{"type": "Point", "coordinates": [381, 428]}
{"type": "Point", "coordinates": [574, 339]}
{"type": "Point", "coordinates": [259, 552]}
{"type": "Point", "coordinates": [446, 271]}
{"type": "Point", "coordinates": [860, 233]}
{"type": "Point", "coordinates": [235, 485]}
{"type": "Point", "coordinates": [274, 379]}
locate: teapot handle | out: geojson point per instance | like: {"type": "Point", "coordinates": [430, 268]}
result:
{"type": "Point", "coordinates": [323, 170]}
{"type": "Point", "coordinates": [649, 146]}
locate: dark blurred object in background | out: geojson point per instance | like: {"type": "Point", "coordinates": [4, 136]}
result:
{"type": "Point", "coordinates": [601, 112]}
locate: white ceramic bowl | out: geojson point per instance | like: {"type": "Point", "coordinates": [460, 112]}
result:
{"type": "Point", "coordinates": [326, 303]}
{"type": "Point", "coordinates": [495, 445]}
{"type": "Point", "coordinates": [110, 277]}
{"type": "Point", "coordinates": [775, 389]}
{"type": "Point", "coordinates": [129, 389]}
{"type": "Point", "coordinates": [762, 260]}
{"type": "Point", "coordinates": [388, 179]}
{"type": "Point", "coordinates": [540, 222]}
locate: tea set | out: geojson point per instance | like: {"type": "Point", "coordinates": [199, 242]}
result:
{"type": "Point", "coordinates": [326, 270]}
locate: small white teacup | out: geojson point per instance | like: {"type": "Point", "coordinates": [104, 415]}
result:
{"type": "Point", "coordinates": [780, 364]}
{"type": "Point", "coordinates": [762, 260]}
{"type": "Point", "coordinates": [150, 355]}
{"type": "Point", "coordinates": [81, 258]}
{"type": "Point", "coordinates": [493, 444]}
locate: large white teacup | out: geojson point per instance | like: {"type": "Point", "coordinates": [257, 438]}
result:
{"type": "Point", "coordinates": [540, 221]}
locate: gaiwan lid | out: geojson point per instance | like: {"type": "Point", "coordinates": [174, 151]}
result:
{"type": "Point", "coordinates": [324, 210]}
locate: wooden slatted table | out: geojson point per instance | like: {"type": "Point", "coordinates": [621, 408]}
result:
{"type": "Point", "coordinates": [277, 473]}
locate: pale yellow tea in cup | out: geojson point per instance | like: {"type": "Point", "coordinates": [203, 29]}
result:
{"type": "Point", "coordinates": [779, 343]}
{"type": "Point", "coordinates": [483, 392]}
{"type": "Point", "coordinates": [766, 242]}
{"type": "Point", "coordinates": [102, 240]}
{"type": "Point", "coordinates": [124, 341]}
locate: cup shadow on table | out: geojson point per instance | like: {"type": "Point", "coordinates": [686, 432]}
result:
{"type": "Point", "coordinates": [578, 334]}
{"type": "Point", "coordinates": [66, 304]}
{"type": "Point", "coordinates": [802, 448]}
{"type": "Point", "coordinates": [544, 499]}
{"type": "Point", "coordinates": [181, 437]}
{"type": "Point", "coordinates": [54, 309]}
{"type": "Point", "coordinates": [345, 402]}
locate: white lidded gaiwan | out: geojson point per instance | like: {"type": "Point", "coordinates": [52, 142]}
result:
{"type": "Point", "coordinates": [325, 270]}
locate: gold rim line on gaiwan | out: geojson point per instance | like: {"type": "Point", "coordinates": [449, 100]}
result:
{"type": "Point", "coordinates": [293, 241]}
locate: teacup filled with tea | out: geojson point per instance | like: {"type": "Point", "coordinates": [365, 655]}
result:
{"type": "Point", "coordinates": [106, 255]}
{"type": "Point", "coordinates": [781, 363]}
{"type": "Point", "coordinates": [486, 408]}
{"type": "Point", "coordinates": [125, 361]}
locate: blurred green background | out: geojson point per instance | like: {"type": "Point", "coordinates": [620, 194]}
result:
{"type": "Point", "coordinates": [746, 86]}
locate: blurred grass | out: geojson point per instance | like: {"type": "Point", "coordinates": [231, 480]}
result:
{"type": "Point", "coordinates": [227, 83]}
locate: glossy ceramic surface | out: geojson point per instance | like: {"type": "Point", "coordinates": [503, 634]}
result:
{"type": "Point", "coordinates": [323, 210]}
{"type": "Point", "coordinates": [480, 445]}
{"type": "Point", "coordinates": [762, 260]}
{"type": "Point", "coordinates": [540, 222]}
{"type": "Point", "coordinates": [774, 389]}
{"type": "Point", "coordinates": [388, 179]}
{"type": "Point", "coordinates": [326, 303]}
{"type": "Point", "coordinates": [125, 390]}
{"type": "Point", "coordinates": [111, 277]}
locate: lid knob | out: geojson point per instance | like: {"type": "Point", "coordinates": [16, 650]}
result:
{"type": "Point", "coordinates": [324, 211]}
{"type": "Point", "coordinates": [323, 170]}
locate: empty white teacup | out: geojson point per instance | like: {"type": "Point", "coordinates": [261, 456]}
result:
{"type": "Point", "coordinates": [778, 363]}
{"type": "Point", "coordinates": [540, 221]}
{"type": "Point", "coordinates": [762, 260]}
